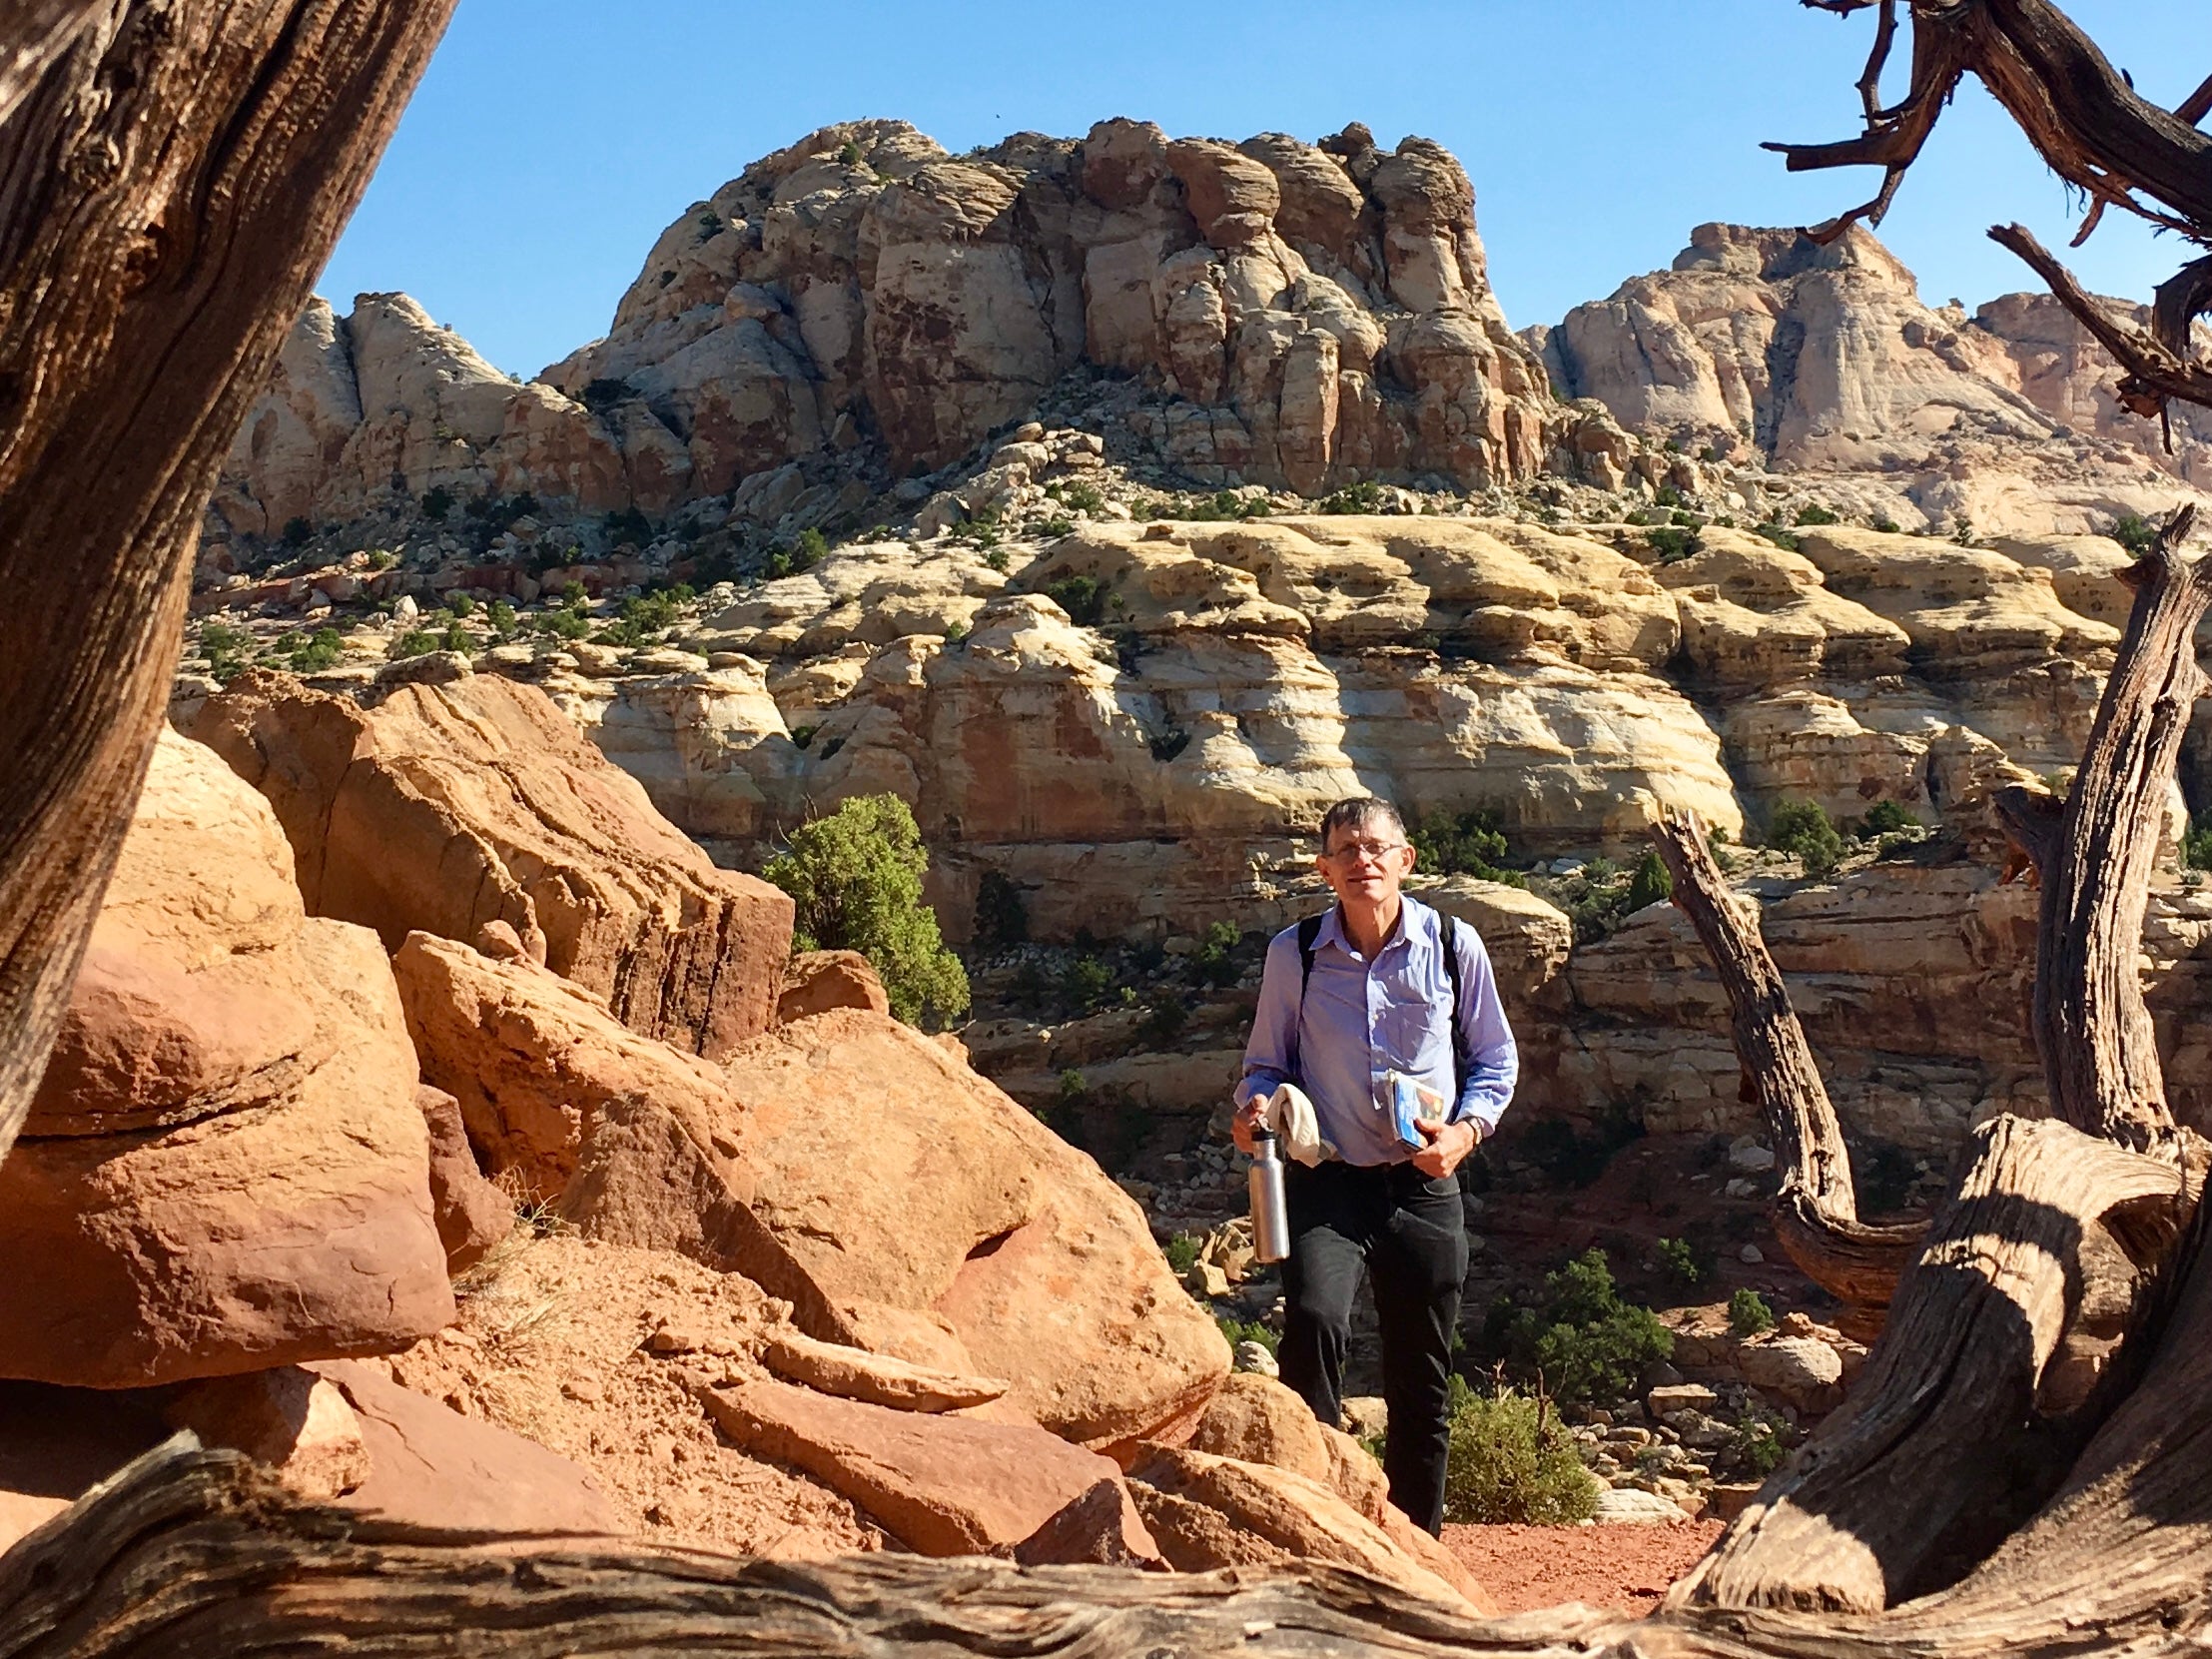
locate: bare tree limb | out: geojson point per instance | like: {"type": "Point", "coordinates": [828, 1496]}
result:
{"type": "Point", "coordinates": [1816, 1211]}
{"type": "Point", "coordinates": [2197, 105]}
{"type": "Point", "coordinates": [2092, 1028]}
{"type": "Point", "coordinates": [2153, 373]}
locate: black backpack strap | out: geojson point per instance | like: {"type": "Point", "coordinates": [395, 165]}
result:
{"type": "Point", "coordinates": [1310, 931]}
{"type": "Point", "coordinates": [1447, 930]}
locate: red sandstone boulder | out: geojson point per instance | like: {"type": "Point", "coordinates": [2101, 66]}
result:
{"type": "Point", "coordinates": [288, 1418]}
{"type": "Point", "coordinates": [941, 1485]}
{"type": "Point", "coordinates": [818, 980]}
{"type": "Point", "coordinates": [1101, 1528]}
{"type": "Point", "coordinates": [229, 1170]}
{"type": "Point", "coordinates": [448, 807]}
{"type": "Point", "coordinates": [472, 1215]}
{"type": "Point", "coordinates": [532, 1060]}
{"type": "Point", "coordinates": [1274, 1516]}
{"type": "Point", "coordinates": [879, 1171]}
{"type": "Point", "coordinates": [435, 1467]}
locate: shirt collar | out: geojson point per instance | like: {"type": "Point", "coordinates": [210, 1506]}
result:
{"type": "Point", "coordinates": [1412, 923]}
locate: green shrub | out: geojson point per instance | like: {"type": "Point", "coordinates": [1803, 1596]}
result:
{"type": "Point", "coordinates": [1749, 1315]}
{"type": "Point", "coordinates": [298, 532]}
{"type": "Point", "coordinates": [1512, 1461]}
{"type": "Point", "coordinates": [1002, 918]}
{"type": "Point", "coordinates": [1464, 844]}
{"type": "Point", "coordinates": [225, 647]}
{"type": "Point", "coordinates": [1075, 1089]}
{"type": "Point", "coordinates": [1084, 497]}
{"type": "Point", "coordinates": [1166, 1014]}
{"type": "Point", "coordinates": [311, 653]}
{"type": "Point", "coordinates": [1582, 1342]}
{"type": "Point", "coordinates": [629, 527]}
{"type": "Point", "coordinates": [1886, 818]}
{"type": "Point", "coordinates": [848, 153]}
{"type": "Point", "coordinates": [1786, 540]}
{"type": "Point", "coordinates": [566, 622]}
{"type": "Point", "coordinates": [438, 502]}
{"type": "Point", "coordinates": [1758, 1445]}
{"type": "Point", "coordinates": [1364, 497]}
{"type": "Point", "coordinates": [997, 558]}
{"type": "Point", "coordinates": [1816, 514]}
{"type": "Point", "coordinates": [2134, 533]}
{"type": "Point", "coordinates": [415, 642]}
{"type": "Point", "coordinates": [1650, 884]}
{"type": "Point", "coordinates": [501, 615]}
{"type": "Point", "coordinates": [1213, 962]}
{"type": "Point", "coordinates": [1235, 1331]}
{"type": "Point", "coordinates": [2196, 845]}
{"type": "Point", "coordinates": [1673, 544]}
{"type": "Point", "coordinates": [1183, 1253]}
{"type": "Point", "coordinates": [1803, 829]}
{"type": "Point", "coordinates": [1082, 598]}
{"type": "Point", "coordinates": [856, 879]}
{"type": "Point", "coordinates": [1086, 983]}
{"type": "Point", "coordinates": [1680, 1262]}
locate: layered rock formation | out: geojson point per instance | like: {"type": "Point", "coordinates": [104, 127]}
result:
{"type": "Point", "coordinates": [1824, 361]}
{"type": "Point", "coordinates": [1147, 770]}
{"type": "Point", "coordinates": [861, 305]}
{"type": "Point", "coordinates": [455, 807]}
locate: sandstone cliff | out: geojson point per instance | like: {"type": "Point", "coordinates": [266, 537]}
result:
{"type": "Point", "coordinates": [865, 306]}
{"type": "Point", "coordinates": [1824, 361]}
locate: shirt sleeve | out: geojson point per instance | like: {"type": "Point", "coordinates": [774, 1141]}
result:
{"type": "Point", "coordinates": [1493, 1060]}
{"type": "Point", "coordinates": [1271, 1053]}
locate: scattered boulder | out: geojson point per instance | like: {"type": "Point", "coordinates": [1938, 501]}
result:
{"type": "Point", "coordinates": [818, 980]}
{"type": "Point", "coordinates": [430, 1466]}
{"type": "Point", "coordinates": [941, 1485]}
{"type": "Point", "coordinates": [1101, 1528]}
{"type": "Point", "coordinates": [1632, 1506]}
{"type": "Point", "coordinates": [534, 1059]}
{"type": "Point", "coordinates": [1286, 1515]}
{"type": "Point", "coordinates": [228, 1171]}
{"type": "Point", "coordinates": [878, 1379]}
{"type": "Point", "coordinates": [472, 1215]}
{"type": "Point", "coordinates": [1255, 1419]}
{"type": "Point", "coordinates": [883, 1171]}
{"type": "Point", "coordinates": [1803, 1371]}
{"type": "Point", "coordinates": [296, 1422]}
{"type": "Point", "coordinates": [445, 807]}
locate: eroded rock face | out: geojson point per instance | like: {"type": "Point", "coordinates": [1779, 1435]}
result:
{"type": "Point", "coordinates": [1826, 361]}
{"type": "Point", "coordinates": [226, 1168]}
{"type": "Point", "coordinates": [448, 807]}
{"type": "Point", "coordinates": [1159, 756]}
{"type": "Point", "coordinates": [1316, 315]}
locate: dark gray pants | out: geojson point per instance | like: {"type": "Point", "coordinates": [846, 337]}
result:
{"type": "Point", "coordinates": [1409, 1232]}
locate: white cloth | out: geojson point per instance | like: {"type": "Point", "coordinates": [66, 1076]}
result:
{"type": "Point", "coordinates": [1290, 1116]}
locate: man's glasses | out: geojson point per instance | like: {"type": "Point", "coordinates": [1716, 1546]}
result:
{"type": "Point", "coordinates": [1373, 851]}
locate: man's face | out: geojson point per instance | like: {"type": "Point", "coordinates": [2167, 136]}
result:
{"type": "Point", "coordinates": [1364, 863]}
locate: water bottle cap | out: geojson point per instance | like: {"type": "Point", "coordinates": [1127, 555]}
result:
{"type": "Point", "coordinates": [1260, 1134]}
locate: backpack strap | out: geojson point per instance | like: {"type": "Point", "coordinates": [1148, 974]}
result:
{"type": "Point", "coordinates": [1310, 931]}
{"type": "Point", "coordinates": [1448, 932]}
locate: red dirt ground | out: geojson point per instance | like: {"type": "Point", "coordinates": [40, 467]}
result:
{"type": "Point", "coordinates": [1624, 1567]}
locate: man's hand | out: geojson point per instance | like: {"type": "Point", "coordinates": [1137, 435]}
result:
{"type": "Point", "coordinates": [1449, 1145]}
{"type": "Point", "coordinates": [1247, 1120]}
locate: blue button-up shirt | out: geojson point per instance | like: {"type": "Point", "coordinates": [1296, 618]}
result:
{"type": "Point", "coordinates": [1360, 1019]}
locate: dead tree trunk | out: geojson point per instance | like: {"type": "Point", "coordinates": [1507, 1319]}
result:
{"type": "Point", "coordinates": [172, 174]}
{"type": "Point", "coordinates": [2006, 1347]}
{"type": "Point", "coordinates": [194, 1556]}
{"type": "Point", "coordinates": [1816, 1211]}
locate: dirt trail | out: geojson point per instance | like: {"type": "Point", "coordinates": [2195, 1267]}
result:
{"type": "Point", "coordinates": [1625, 1567]}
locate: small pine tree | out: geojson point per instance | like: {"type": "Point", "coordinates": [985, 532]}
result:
{"type": "Point", "coordinates": [856, 879]}
{"type": "Point", "coordinates": [1650, 884]}
{"type": "Point", "coordinates": [1803, 829]}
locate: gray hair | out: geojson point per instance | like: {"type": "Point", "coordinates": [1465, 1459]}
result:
{"type": "Point", "coordinates": [1357, 813]}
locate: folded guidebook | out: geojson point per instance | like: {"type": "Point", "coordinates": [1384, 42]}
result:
{"type": "Point", "coordinates": [1407, 1099]}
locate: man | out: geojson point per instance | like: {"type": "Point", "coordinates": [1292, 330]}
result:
{"type": "Point", "coordinates": [1378, 1000]}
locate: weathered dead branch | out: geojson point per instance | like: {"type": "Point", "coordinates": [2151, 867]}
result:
{"type": "Point", "coordinates": [2092, 1028]}
{"type": "Point", "coordinates": [195, 1555]}
{"type": "Point", "coordinates": [172, 174]}
{"type": "Point", "coordinates": [1941, 1451]}
{"type": "Point", "coordinates": [1816, 1211]}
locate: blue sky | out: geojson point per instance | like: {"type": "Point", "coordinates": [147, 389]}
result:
{"type": "Point", "coordinates": [551, 140]}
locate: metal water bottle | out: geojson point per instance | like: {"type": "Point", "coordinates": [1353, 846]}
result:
{"type": "Point", "coordinates": [1271, 1218]}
